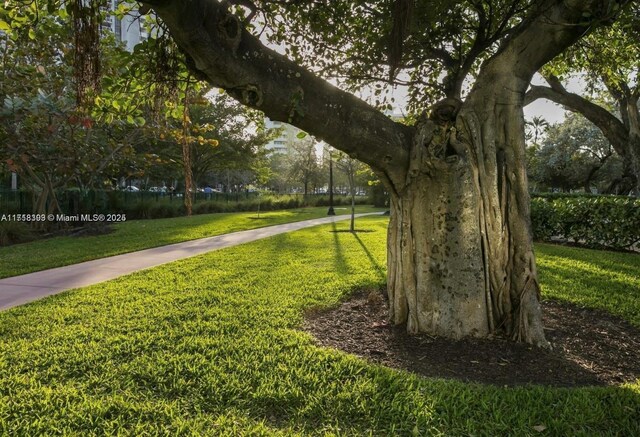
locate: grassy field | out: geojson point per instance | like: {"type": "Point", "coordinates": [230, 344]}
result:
{"type": "Point", "coordinates": [142, 234]}
{"type": "Point", "coordinates": [210, 346]}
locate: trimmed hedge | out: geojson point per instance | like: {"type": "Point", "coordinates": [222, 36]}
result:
{"type": "Point", "coordinates": [606, 222]}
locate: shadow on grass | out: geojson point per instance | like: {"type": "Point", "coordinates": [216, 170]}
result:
{"type": "Point", "coordinates": [592, 282]}
{"type": "Point", "coordinates": [340, 260]}
{"type": "Point", "coordinates": [623, 262]}
{"type": "Point", "coordinates": [365, 399]}
{"type": "Point", "coordinates": [380, 271]}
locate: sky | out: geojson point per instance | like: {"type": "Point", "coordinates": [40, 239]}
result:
{"type": "Point", "coordinates": [550, 111]}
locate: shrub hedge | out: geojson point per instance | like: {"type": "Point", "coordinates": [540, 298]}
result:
{"type": "Point", "coordinates": [152, 210]}
{"type": "Point", "coordinates": [13, 232]}
{"type": "Point", "coordinates": [611, 222]}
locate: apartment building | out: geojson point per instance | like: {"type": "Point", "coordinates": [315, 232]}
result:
{"type": "Point", "coordinates": [129, 30]}
{"type": "Point", "coordinates": [288, 135]}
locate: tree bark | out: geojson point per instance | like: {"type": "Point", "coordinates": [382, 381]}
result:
{"type": "Point", "coordinates": [460, 258]}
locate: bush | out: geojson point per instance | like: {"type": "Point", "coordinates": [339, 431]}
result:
{"type": "Point", "coordinates": [139, 210]}
{"type": "Point", "coordinates": [543, 219]}
{"type": "Point", "coordinates": [114, 202]}
{"type": "Point", "coordinates": [14, 232]}
{"type": "Point", "coordinates": [594, 221]}
{"type": "Point", "coordinates": [164, 210]}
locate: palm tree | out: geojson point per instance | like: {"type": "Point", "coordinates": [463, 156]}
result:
{"type": "Point", "coordinates": [536, 127]}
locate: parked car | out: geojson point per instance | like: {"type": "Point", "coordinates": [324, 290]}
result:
{"type": "Point", "coordinates": [131, 189]}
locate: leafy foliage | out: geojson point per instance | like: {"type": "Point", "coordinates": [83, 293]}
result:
{"type": "Point", "coordinates": [609, 57]}
{"type": "Point", "coordinates": [609, 61]}
{"type": "Point", "coordinates": [593, 221]}
{"type": "Point", "coordinates": [51, 141]}
{"type": "Point", "coordinates": [430, 48]}
{"type": "Point", "coordinates": [573, 155]}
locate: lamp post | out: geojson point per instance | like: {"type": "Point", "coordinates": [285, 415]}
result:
{"type": "Point", "coordinates": [331, 211]}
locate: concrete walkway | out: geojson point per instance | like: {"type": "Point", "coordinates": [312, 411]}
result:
{"type": "Point", "coordinates": [19, 290]}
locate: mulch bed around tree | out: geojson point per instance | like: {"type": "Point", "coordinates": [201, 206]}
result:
{"type": "Point", "coordinates": [590, 347]}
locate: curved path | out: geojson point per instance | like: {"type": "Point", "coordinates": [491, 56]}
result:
{"type": "Point", "coordinates": [19, 290]}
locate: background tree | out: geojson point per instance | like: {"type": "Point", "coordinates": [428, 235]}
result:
{"type": "Point", "coordinates": [575, 155]}
{"type": "Point", "coordinates": [351, 168]}
{"type": "Point", "coordinates": [535, 129]}
{"type": "Point", "coordinates": [609, 61]}
{"type": "Point", "coordinates": [226, 139]}
{"type": "Point", "coordinates": [303, 165]}
{"type": "Point", "coordinates": [460, 258]}
{"type": "Point", "coordinates": [47, 138]}
{"type": "Point", "coordinates": [278, 170]}
{"type": "Point", "coordinates": [240, 157]}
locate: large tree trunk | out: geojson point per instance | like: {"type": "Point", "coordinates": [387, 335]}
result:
{"type": "Point", "coordinates": [460, 256]}
{"type": "Point", "coordinates": [634, 147]}
{"type": "Point", "coordinates": [436, 271]}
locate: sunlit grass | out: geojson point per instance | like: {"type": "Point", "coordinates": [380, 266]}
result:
{"type": "Point", "coordinates": [142, 234]}
{"type": "Point", "coordinates": [211, 346]}
{"type": "Point", "coordinates": [592, 278]}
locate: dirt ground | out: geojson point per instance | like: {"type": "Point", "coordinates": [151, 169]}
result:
{"type": "Point", "coordinates": [590, 347]}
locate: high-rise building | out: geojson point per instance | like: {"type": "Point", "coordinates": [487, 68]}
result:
{"type": "Point", "coordinates": [129, 30]}
{"type": "Point", "coordinates": [287, 136]}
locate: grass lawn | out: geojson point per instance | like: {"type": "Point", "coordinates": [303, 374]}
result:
{"type": "Point", "coordinates": [592, 278]}
{"type": "Point", "coordinates": [210, 346]}
{"type": "Point", "coordinates": [143, 234]}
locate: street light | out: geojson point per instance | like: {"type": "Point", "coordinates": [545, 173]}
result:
{"type": "Point", "coordinates": [331, 211]}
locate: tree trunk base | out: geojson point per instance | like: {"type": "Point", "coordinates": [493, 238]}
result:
{"type": "Point", "coordinates": [460, 257]}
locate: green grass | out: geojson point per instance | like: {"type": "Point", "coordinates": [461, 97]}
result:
{"type": "Point", "coordinates": [210, 346]}
{"type": "Point", "coordinates": [592, 278]}
{"type": "Point", "coordinates": [142, 234]}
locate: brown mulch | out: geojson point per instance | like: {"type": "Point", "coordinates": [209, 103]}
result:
{"type": "Point", "coordinates": [590, 347]}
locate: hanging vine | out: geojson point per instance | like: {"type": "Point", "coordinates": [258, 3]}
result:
{"type": "Point", "coordinates": [164, 67]}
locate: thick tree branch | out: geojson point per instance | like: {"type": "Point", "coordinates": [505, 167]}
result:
{"type": "Point", "coordinates": [231, 58]}
{"type": "Point", "coordinates": [611, 127]}
{"type": "Point", "coordinates": [553, 26]}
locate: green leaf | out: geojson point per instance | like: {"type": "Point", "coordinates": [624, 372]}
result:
{"type": "Point", "coordinates": [301, 135]}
